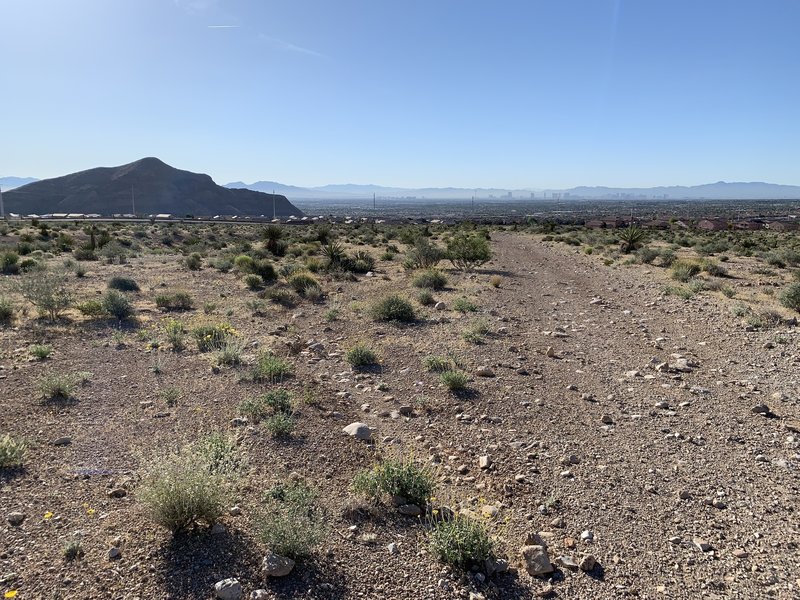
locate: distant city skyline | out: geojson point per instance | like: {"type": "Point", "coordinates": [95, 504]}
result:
{"type": "Point", "coordinates": [514, 94]}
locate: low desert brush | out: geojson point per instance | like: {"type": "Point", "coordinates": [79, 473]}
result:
{"type": "Point", "coordinates": [12, 452]}
{"type": "Point", "coordinates": [290, 523]}
{"type": "Point", "coordinates": [460, 541]}
{"type": "Point", "coordinates": [398, 478]}
{"type": "Point", "coordinates": [361, 355]}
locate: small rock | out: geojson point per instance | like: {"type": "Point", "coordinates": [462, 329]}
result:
{"type": "Point", "coordinates": [392, 548]}
{"type": "Point", "coordinates": [740, 553]}
{"type": "Point", "coordinates": [114, 553]}
{"type": "Point", "coordinates": [558, 523]}
{"type": "Point", "coordinates": [535, 560]}
{"type": "Point", "coordinates": [701, 544]}
{"type": "Point", "coordinates": [484, 462]}
{"type": "Point", "coordinates": [259, 595]}
{"type": "Point", "coordinates": [218, 529]}
{"type": "Point", "coordinates": [484, 372]}
{"type": "Point", "coordinates": [550, 352]}
{"type": "Point", "coordinates": [566, 562]}
{"type": "Point", "coordinates": [239, 421]}
{"type": "Point", "coordinates": [228, 589]}
{"type": "Point", "coordinates": [15, 518]}
{"type": "Point", "coordinates": [117, 493]}
{"type": "Point", "coordinates": [587, 563]}
{"type": "Point", "coordinates": [684, 495]}
{"type": "Point", "coordinates": [360, 431]}
{"type": "Point", "coordinates": [440, 306]}
{"type": "Point", "coordinates": [587, 535]}
{"type": "Point", "coordinates": [760, 409]}
{"type": "Point", "coordinates": [607, 420]}
{"type": "Point", "coordinates": [62, 441]}
{"type": "Point", "coordinates": [234, 511]}
{"type": "Point", "coordinates": [410, 510]}
{"type": "Point", "coordinates": [276, 566]}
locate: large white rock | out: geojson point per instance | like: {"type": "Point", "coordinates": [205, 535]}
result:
{"type": "Point", "coordinates": [360, 431]}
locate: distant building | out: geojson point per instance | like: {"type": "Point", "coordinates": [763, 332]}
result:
{"type": "Point", "coordinates": [712, 224]}
{"type": "Point", "coordinates": [782, 226]}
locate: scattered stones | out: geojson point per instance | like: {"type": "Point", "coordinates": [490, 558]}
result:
{"type": "Point", "coordinates": [234, 511]}
{"type": "Point", "coordinates": [484, 372]}
{"type": "Point", "coordinates": [228, 589]}
{"type": "Point", "coordinates": [15, 519]}
{"type": "Point", "coordinates": [536, 561]}
{"type": "Point", "coordinates": [684, 495]}
{"type": "Point", "coordinates": [360, 431]}
{"type": "Point", "coordinates": [274, 565]}
{"type": "Point", "coordinates": [558, 523]}
{"type": "Point", "coordinates": [259, 595]}
{"type": "Point", "coordinates": [550, 352]}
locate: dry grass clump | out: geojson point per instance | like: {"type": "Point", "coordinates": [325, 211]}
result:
{"type": "Point", "coordinates": [12, 452]}
{"type": "Point", "coordinates": [460, 541]}
{"type": "Point", "coordinates": [290, 522]}
{"type": "Point", "coordinates": [398, 478]}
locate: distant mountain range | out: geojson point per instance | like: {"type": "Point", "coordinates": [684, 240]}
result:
{"type": "Point", "coordinates": [9, 183]}
{"type": "Point", "coordinates": [151, 185]}
{"type": "Point", "coordinates": [712, 191]}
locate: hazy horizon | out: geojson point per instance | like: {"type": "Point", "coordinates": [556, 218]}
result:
{"type": "Point", "coordinates": [510, 95]}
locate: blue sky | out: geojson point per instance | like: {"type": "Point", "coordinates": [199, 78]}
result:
{"type": "Point", "coordinates": [515, 94]}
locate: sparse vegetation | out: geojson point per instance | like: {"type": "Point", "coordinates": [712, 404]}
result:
{"type": "Point", "coordinates": [455, 381]}
{"type": "Point", "coordinates": [460, 541]}
{"type": "Point", "coordinates": [360, 355]}
{"type": "Point", "coordinates": [393, 308]}
{"type": "Point", "coordinates": [47, 290]}
{"type": "Point", "coordinates": [271, 368]}
{"type": "Point", "coordinates": [402, 478]}
{"type": "Point", "coordinates": [12, 452]}
{"type": "Point", "coordinates": [430, 278]}
{"type": "Point", "coordinates": [40, 351]}
{"type": "Point", "coordinates": [290, 522]}
{"type": "Point", "coordinates": [123, 284]}
{"type": "Point", "coordinates": [468, 251]}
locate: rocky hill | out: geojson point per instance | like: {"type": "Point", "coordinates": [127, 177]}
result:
{"type": "Point", "coordinates": [153, 185]}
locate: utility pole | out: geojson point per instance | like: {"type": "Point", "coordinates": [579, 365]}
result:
{"type": "Point", "coordinates": [373, 200]}
{"type": "Point", "coordinates": [273, 205]}
{"type": "Point", "coordinates": [133, 203]}
{"type": "Point", "coordinates": [2, 206]}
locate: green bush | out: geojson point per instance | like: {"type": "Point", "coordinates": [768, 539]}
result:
{"type": "Point", "coordinates": [396, 477]}
{"type": "Point", "coordinates": [468, 251]}
{"type": "Point", "coordinates": [265, 269]}
{"type": "Point", "coordinates": [302, 281]}
{"type": "Point", "coordinates": [117, 305]}
{"type": "Point", "coordinates": [178, 300]}
{"type": "Point", "coordinates": [361, 262]}
{"type": "Point", "coordinates": [253, 281]}
{"type": "Point", "coordinates": [438, 364]}
{"type": "Point", "coordinates": [270, 368]}
{"type": "Point", "coordinates": [40, 351]}
{"type": "Point", "coordinates": [684, 270]}
{"type": "Point", "coordinates": [393, 308]}
{"type": "Point", "coordinates": [430, 279]}
{"type": "Point", "coordinates": [280, 424]}
{"type": "Point", "coordinates": [9, 263]}
{"type": "Point", "coordinates": [282, 296]}
{"type": "Point", "coordinates": [425, 298]}
{"type": "Point", "coordinates": [123, 284]}
{"type": "Point", "coordinates": [194, 261]}
{"type": "Point", "coordinates": [6, 310]}
{"type": "Point", "coordinates": [91, 308]}
{"type": "Point", "coordinates": [647, 255]}
{"type": "Point", "coordinates": [460, 541]}
{"type": "Point", "coordinates": [181, 489]}
{"type": "Point", "coordinates": [290, 523]}
{"type": "Point", "coordinates": [230, 352]}
{"type": "Point", "coordinates": [12, 452]}
{"type": "Point", "coordinates": [423, 255]}
{"type": "Point", "coordinates": [455, 381]}
{"type": "Point", "coordinates": [175, 331]}
{"type": "Point", "coordinates": [60, 386]}
{"type": "Point", "coordinates": [463, 305]}
{"type": "Point", "coordinates": [715, 270]}
{"type": "Point", "coordinates": [47, 290]}
{"type": "Point", "coordinates": [212, 336]}
{"type": "Point", "coordinates": [258, 409]}
{"type": "Point", "coordinates": [244, 263]}
{"type": "Point", "coordinates": [361, 355]}
{"type": "Point", "coordinates": [790, 297]}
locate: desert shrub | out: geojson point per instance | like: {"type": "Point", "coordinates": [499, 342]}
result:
{"type": "Point", "coordinates": [244, 263]}
{"type": "Point", "coordinates": [460, 541]}
{"type": "Point", "coordinates": [313, 265]}
{"type": "Point", "coordinates": [361, 262]}
{"type": "Point", "coordinates": [463, 305]}
{"type": "Point", "coordinates": [396, 477]}
{"type": "Point", "coordinates": [253, 281]}
{"type": "Point", "coordinates": [273, 239]}
{"type": "Point", "coordinates": [219, 453]}
{"type": "Point", "coordinates": [265, 269]}
{"type": "Point", "coordinates": [60, 386]}
{"type": "Point", "coordinates": [91, 308]}
{"type": "Point", "coordinates": [423, 255]}
{"type": "Point", "coordinates": [334, 255]}
{"type": "Point", "coordinates": [12, 452]}
{"type": "Point", "coordinates": [290, 523]}
{"type": "Point", "coordinates": [393, 308]}
{"type": "Point", "coordinates": [40, 351]}
{"type": "Point", "coordinates": [454, 381]}
{"type": "Point", "coordinates": [212, 336]}
{"type": "Point", "coordinates": [230, 352]}
{"type": "Point", "coordinates": [9, 263]}
{"type": "Point", "coordinates": [123, 284]}
{"type": "Point", "coordinates": [113, 252]}
{"type": "Point", "coordinates": [175, 332]}
{"type": "Point", "coordinates": [194, 261]}
{"type": "Point", "coordinates": [28, 264]}
{"type": "Point", "coordinates": [47, 290]}
{"type": "Point", "coordinates": [283, 297]}
{"type": "Point", "coordinates": [495, 281]}
{"type": "Point", "coordinates": [117, 305]}
{"type": "Point", "coordinates": [790, 297]}
{"type": "Point", "coordinates": [84, 253]}
{"type": "Point", "coordinates": [302, 281]}
{"type": "Point", "coordinates": [72, 549]}
{"type": "Point", "coordinates": [280, 424]}
{"type": "Point", "coordinates": [684, 270]}
{"type": "Point", "coordinates": [468, 251]}
{"type": "Point", "coordinates": [425, 298]}
{"type": "Point", "coordinates": [430, 279]}
{"type": "Point", "coordinates": [715, 269]}
{"type": "Point", "coordinates": [6, 310]}
{"type": "Point", "coordinates": [666, 257]}
{"type": "Point", "coordinates": [438, 364]}
{"type": "Point", "coordinates": [222, 264]}
{"type": "Point", "coordinates": [258, 409]}
{"type": "Point", "coordinates": [178, 300]}
{"type": "Point", "coordinates": [269, 367]}
{"type": "Point", "coordinates": [646, 255]}
{"type": "Point", "coordinates": [475, 333]}
{"type": "Point", "coordinates": [360, 355]}
{"type": "Point", "coordinates": [728, 291]}
{"type": "Point", "coordinates": [180, 489]}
